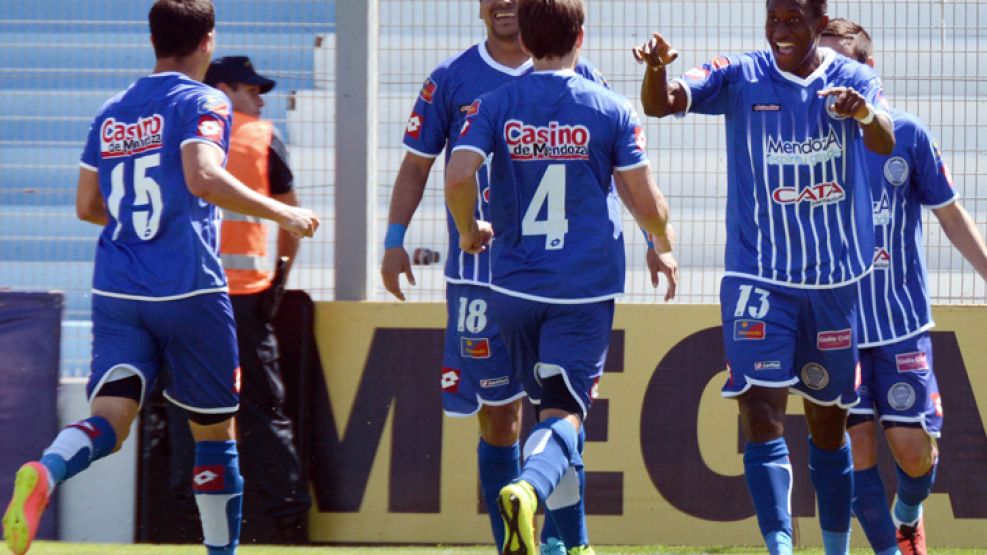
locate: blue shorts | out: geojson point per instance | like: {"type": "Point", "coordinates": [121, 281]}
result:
{"type": "Point", "coordinates": [777, 336]}
{"type": "Point", "coordinates": [548, 339]}
{"type": "Point", "coordinates": [898, 384]}
{"type": "Point", "coordinates": [195, 336]}
{"type": "Point", "coordinates": [476, 370]}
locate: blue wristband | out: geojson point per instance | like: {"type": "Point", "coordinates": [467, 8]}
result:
{"type": "Point", "coordinates": [395, 236]}
{"type": "Point", "coordinates": [647, 239]}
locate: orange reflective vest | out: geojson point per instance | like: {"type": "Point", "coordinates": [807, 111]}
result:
{"type": "Point", "coordinates": [243, 240]}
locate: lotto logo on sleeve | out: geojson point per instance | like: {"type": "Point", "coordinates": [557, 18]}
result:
{"type": "Point", "coordinates": [834, 340]}
{"type": "Point", "coordinates": [475, 347]}
{"type": "Point", "coordinates": [450, 380]}
{"type": "Point", "coordinates": [748, 330]}
{"type": "Point", "coordinates": [414, 127]}
{"type": "Point", "coordinates": [210, 128]}
{"type": "Point", "coordinates": [911, 362]}
{"type": "Point", "coordinates": [209, 478]}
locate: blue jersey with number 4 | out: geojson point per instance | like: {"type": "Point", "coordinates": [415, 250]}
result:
{"type": "Point", "coordinates": [798, 203]}
{"type": "Point", "coordinates": [434, 124]}
{"type": "Point", "coordinates": [161, 242]}
{"type": "Point", "coordinates": [555, 139]}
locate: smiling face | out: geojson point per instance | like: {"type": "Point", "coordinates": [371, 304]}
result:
{"type": "Point", "coordinates": [500, 17]}
{"type": "Point", "coordinates": [793, 32]}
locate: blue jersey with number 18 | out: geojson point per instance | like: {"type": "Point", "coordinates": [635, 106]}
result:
{"type": "Point", "coordinates": [556, 139]}
{"type": "Point", "coordinates": [161, 241]}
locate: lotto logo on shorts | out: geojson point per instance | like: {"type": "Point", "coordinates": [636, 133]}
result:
{"type": "Point", "coordinates": [911, 362]}
{"type": "Point", "coordinates": [450, 380]}
{"type": "Point", "coordinates": [475, 347]}
{"type": "Point", "coordinates": [748, 330]}
{"type": "Point", "coordinates": [768, 365]}
{"type": "Point", "coordinates": [209, 478]}
{"type": "Point", "coordinates": [495, 382]}
{"type": "Point", "coordinates": [834, 340]}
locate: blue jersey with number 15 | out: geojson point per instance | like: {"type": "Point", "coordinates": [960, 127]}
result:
{"type": "Point", "coordinates": [556, 139]}
{"type": "Point", "coordinates": [161, 241]}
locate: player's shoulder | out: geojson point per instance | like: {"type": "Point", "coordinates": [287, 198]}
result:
{"type": "Point", "coordinates": [847, 68]}
{"type": "Point", "coordinates": [463, 62]}
{"type": "Point", "coordinates": [587, 70]}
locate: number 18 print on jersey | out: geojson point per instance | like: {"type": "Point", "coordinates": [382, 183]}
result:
{"type": "Point", "coordinates": [161, 242]}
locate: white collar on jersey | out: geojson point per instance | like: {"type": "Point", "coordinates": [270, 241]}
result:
{"type": "Point", "coordinates": [512, 71]}
{"type": "Point", "coordinates": [828, 55]}
{"type": "Point", "coordinates": [562, 72]}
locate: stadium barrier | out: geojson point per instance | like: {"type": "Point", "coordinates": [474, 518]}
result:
{"type": "Point", "coordinates": [663, 449]}
{"type": "Point", "coordinates": [30, 328]}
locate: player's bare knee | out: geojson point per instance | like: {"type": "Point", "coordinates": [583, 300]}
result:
{"type": "Point", "coordinates": [761, 416]}
{"type": "Point", "coordinates": [863, 441]}
{"type": "Point", "coordinates": [500, 425]}
{"type": "Point", "coordinates": [211, 426]}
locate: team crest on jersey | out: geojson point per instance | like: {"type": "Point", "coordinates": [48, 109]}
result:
{"type": "Point", "coordinates": [749, 330]}
{"type": "Point", "coordinates": [475, 347]}
{"type": "Point", "coordinates": [818, 194]}
{"type": "Point", "coordinates": [414, 126]}
{"type": "Point", "coordinates": [216, 106]}
{"type": "Point", "coordinates": [210, 128]}
{"type": "Point", "coordinates": [901, 396]}
{"type": "Point", "coordinates": [834, 340]}
{"type": "Point", "coordinates": [815, 376]}
{"type": "Point", "coordinates": [896, 171]}
{"type": "Point", "coordinates": [911, 362]}
{"type": "Point", "coordinates": [119, 138]}
{"type": "Point", "coordinates": [554, 141]}
{"type": "Point", "coordinates": [882, 258]}
{"type": "Point", "coordinates": [428, 90]}
{"type": "Point", "coordinates": [812, 151]}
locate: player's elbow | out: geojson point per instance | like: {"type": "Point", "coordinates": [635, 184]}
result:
{"type": "Point", "coordinates": [200, 182]}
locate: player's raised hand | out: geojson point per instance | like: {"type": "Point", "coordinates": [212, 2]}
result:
{"type": "Point", "coordinates": [396, 262]}
{"type": "Point", "coordinates": [656, 52]}
{"type": "Point", "coordinates": [476, 240]}
{"type": "Point", "coordinates": [300, 222]}
{"type": "Point", "coordinates": [845, 102]}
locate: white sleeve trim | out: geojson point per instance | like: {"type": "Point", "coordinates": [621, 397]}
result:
{"type": "Point", "coordinates": [471, 148]}
{"type": "Point", "coordinates": [632, 166]}
{"type": "Point", "coordinates": [86, 166]}
{"type": "Point", "coordinates": [688, 96]}
{"type": "Point", "coordinates": [955, 198]}
{"type": "Point", "coordinates": [420, 153]}
{"type": "Point", "coordinates": [206, 141]}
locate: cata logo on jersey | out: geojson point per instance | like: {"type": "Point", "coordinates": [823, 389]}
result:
{"type": "Point", "coordinates": [119, 138]}
{"type": "Point", "coordinates": [812, 151]}
{"type": "Point", "coordinates": [554, 141]}
{"type": "Point", "coordinates": [820, 193]}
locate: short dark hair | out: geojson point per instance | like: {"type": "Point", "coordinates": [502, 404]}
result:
{"type": "Point", "coordinates": [550, 28]}
{"type": "Point", "coordinates": [178, 26]}
{"type": "Point", "coordinates": [817, 7]}
{"type": "Point", "coordinates": [861, 46]}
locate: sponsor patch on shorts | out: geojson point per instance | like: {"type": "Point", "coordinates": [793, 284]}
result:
{"type": "Point", "coordinates": [767, 365]}
{"type": "Point", "coordinates": [475, 347]}
{"type": "Point", "coordinates": [495, 382]}
{"type": "Point", "coordinates": [911, 362]}
{"type": "Point", "coordinates": [749, 330]}
{"type": "Point", "coordinates": [834, 340]}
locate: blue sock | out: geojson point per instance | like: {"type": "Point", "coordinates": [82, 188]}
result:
{"type": "Point", "coordinates": [218, 489]}
{"type": "Point", "coordinates": [77, 446]}
{"type": "Point", "coordinates": [911, 493]}
{"type": "Point", "coordinates": [871, 508]}
{"type": "Point", "coordinates": [832, 476]}
{"type": "Point", "coordinates": [769, 479]}
{"type": "Point", "coordinates": [566, 505]}
{"type": "Point", "coordinates": [498, 466]}
{"type": "Point", "coordinates": [548, 453]}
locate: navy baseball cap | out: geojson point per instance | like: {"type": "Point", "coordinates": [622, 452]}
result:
{"type": "Point", "coordinates": [236, 69]}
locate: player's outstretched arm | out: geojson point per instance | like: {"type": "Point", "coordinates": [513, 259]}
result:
{"type": "Point", "coordinates": [963, 233]}
{"type": "Point", "coordinates": [409, 186]}
{"type": "Point", "coordinates": [659, 98]}
{"type": "Point", "coordinates": [461, 198]}
{"type": "Point", "coordinates": [878, 128]}
{"type": "Point", "coordinates": [89, 204]}
{"type": "Point", "coordinates": [207, 179]}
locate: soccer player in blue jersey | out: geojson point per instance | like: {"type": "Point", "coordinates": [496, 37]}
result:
{"type": "Point", "coordinates": [152, 175]}
{"type": "Point", "coordinates": [557, 259]}
{"type": "Point", "coordinates": [898, 380]}
{"type": "Point", "coordinates": [799, 234]}
{"type": "Point", "coordinates": [476, 369]}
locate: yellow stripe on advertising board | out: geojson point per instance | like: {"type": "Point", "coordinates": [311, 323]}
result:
{"type": "Point", "coordinates": [663, 453]}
